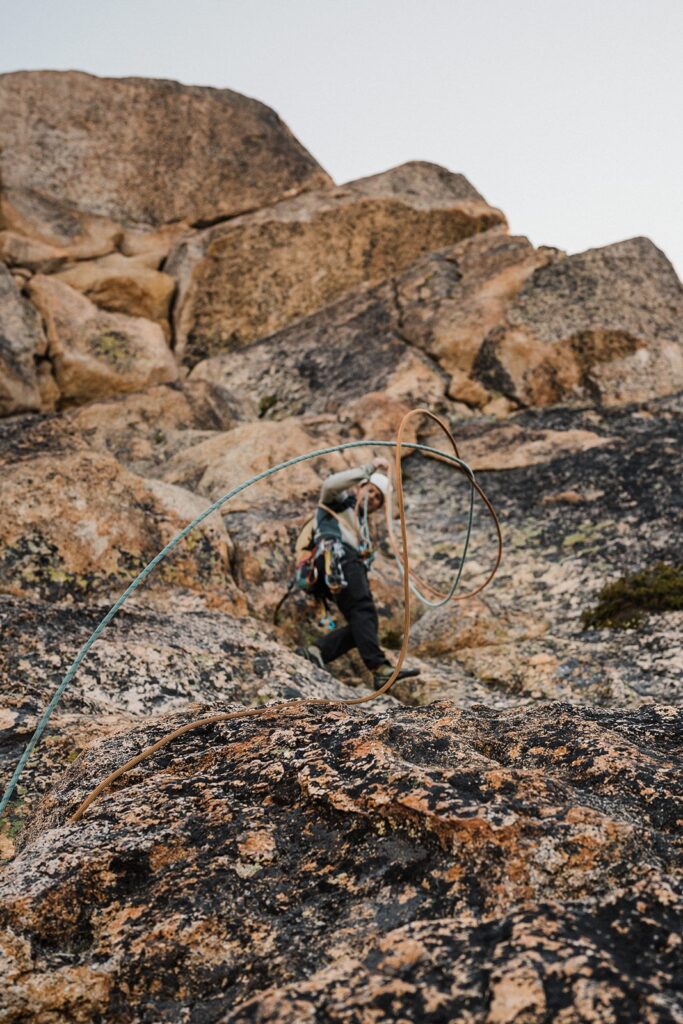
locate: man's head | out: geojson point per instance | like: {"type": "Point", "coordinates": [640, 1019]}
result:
{"type": "Point", "coordinates": [374, 491]}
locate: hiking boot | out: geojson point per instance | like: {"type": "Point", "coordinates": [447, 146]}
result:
{"type": "Point", "coordinates": [312, 654]}
{"type": "Point", "coordinates": [382, 673]}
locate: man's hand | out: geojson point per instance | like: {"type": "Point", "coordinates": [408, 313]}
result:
{"type": "Point", "coordinates": [380, 463]}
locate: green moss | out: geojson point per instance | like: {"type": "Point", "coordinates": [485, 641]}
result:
{"type": "Point", "coordinates": [114, 347]}
{"type": "Point", "coordinates": [624, 603]}
{"type": "Point", "coordinates": [266, 403]}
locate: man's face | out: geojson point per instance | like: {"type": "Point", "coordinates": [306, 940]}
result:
{"type": "Point", "coordinates": [375, 497]}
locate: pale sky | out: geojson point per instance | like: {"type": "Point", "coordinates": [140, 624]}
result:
{"type": "Point", "coordinates": [567, 114]}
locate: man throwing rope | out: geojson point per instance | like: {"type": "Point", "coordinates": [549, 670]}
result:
{"type": "Point", "coordinates": [344, 554]}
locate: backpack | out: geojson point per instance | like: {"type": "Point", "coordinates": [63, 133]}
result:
{"type": "Point", "coordinates": [305, 572]}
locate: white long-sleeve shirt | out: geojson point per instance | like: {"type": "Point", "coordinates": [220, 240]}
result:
{"type": "Point", "coordinates": [335, 494]}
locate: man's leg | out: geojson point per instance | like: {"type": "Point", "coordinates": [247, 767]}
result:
{"type": "Point", "coordinates": [335, 643]}
{"type": "Point", "coordinates": [357, 606]}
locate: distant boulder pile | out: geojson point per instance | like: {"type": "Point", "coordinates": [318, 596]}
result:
{"type": "Point", "coordinates": [155, 226]}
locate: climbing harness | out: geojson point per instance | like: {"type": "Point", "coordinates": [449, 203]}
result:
{"type": "Point", "coordinates": [398, 445]}
{"type": "Point", "coordinates": [307, 552]}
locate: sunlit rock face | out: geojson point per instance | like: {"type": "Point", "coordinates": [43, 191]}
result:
{"type": "Point", "coordinates": [604, 325]}
{"type": "Point", "coordinates": [95, 353]}
{"type": "Point", "coordinates": [186, 301]}
{"type": "Point", "coordinates": [254, 275]}
{"type": "Point", "coordinates": [146, 151]}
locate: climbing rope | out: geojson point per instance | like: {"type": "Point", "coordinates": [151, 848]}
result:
{"type": "Point", "coordinates": [399, 444]}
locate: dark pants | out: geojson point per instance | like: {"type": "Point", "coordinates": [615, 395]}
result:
{"type": "Point", "coordinates": [356, 604]}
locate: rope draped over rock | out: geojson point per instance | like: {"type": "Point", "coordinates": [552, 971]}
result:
{"type": "Point", "coordinates": [403, 557]}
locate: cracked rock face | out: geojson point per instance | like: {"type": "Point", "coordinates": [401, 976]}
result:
{"type": "Point", "coordinates": [328, 361]}
{"type": "Point", "coordinates": [250, 277]}
{"type": "Point", "coordinates": [341, 864]}
{"type": "Point", "coordinates": [22, 341]}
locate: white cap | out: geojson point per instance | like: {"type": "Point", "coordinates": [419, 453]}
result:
{"type": "Point", "coordinates": [381, 482]}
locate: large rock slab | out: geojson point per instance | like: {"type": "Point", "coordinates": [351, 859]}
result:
{"type": "Point", "coordinates": [254, 275]}
{"type": "Point", "coordinates": [42, 233]}
{"type": "Point", "coordinates": [145, 150]}
{"type": "Point", "coordinates": [94, 353]}
{"type": "Point", "coordinates": [143, 430]}
{"type": "Point", "coordinates": [327, 363]}
{"type": "Point", "coordinates": [340, 864]}
{"type": "Point", "coordinates": [22, 341]}
{"type": "Point", "coordinates": [219, 463]}
{"type": "Point", "coordinates": [605, 326]}
{"type": "Point", "coordinates": [76, 525]}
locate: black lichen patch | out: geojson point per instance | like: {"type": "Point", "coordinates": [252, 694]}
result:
{"type": "Point", "coordinates": [624, 603]}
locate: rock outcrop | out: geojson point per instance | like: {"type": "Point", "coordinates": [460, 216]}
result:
{"type": "Point", "coordinates": [93, 353]}
{"type": "Point", "coordinates": [605, 325]}
{"type": "Point", "coordinates": [349, 865]}
{"type": "Point", "coordinates": [144, 429]}
{"type": "Point", "coordinates": [145, 151]}
{"type": "Point", "coordinates": [75, 524]}
{"type": "Point", "coordinates": [220, 463]}
{"type": "Point", "coordinates": [253, 275]}
{"type": "Point", "coordinates": [447, 303]}
{"type": "Point", "coordinates": [124, 284]}
{"type": "Point", "coordinates": [42, 232]}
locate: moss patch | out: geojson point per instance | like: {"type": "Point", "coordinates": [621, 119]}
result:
{"type": "Point", "coordinates": [266, 403]}
{"type": "Point", "coordinates": [624, 603]}
{"type": "Point", "coordinates": [115, 348]}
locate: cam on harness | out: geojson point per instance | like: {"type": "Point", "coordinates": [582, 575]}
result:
{"type": "Point", "coordinates": [311, 546]}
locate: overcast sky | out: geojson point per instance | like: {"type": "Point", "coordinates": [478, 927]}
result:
{"type": "Point", "coordinates": [567, 114]}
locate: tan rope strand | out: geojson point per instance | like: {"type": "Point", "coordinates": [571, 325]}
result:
{"type": "Point", "coordinates": [316, 702]}
{"type": "Point", "coordinates": [425, 585]}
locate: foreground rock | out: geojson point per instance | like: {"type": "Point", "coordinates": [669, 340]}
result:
{"type": "Point", "coordinates": [604, 325]}
{"type": "Point", "coordinates": [346, 865]}
{"type": "Point", "coordinates": [153, 151]}
{"type": "Point", "coordinates": [95, 354]}
{"type": "Point", "coordinates": [254, 275]}
{"type": "Point", "coordinates": [22, 342]}
{"type": "Point", "coordinates": [146, 663]}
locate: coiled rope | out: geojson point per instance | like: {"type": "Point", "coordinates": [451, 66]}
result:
{"type": "Point", "coordinates": [399, 444]}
